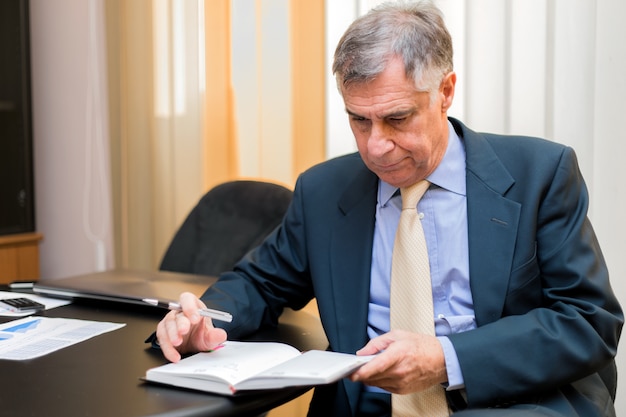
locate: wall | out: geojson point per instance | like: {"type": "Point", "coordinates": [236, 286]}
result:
{"type": "Point", "coordinates": [72, 197]}
{"type": "Point", "coordinates": [607, 165]}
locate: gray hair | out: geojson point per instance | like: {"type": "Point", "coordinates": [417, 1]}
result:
{"type": "Point", "coordinates": [413, 31]}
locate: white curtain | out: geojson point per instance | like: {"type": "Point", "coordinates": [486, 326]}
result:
{"type": "Point", "coordinates": [177, 130]}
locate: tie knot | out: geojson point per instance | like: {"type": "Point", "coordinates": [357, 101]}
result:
{"type": "Point", "coordinates": [412, 194]}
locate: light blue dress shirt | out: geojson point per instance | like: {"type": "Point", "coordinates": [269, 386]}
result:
{"type": "Point", "coordinates": [444, 221]}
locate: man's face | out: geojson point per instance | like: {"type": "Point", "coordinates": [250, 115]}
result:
{"type": "Point", "coordinates": [400, 134]}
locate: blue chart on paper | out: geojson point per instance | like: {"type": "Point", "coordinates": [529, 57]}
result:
{"type": "Point", "coordinates": [21, 328]}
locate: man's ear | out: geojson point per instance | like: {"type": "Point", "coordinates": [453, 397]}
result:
{"type": "Point", "coordinates": [446, 89]}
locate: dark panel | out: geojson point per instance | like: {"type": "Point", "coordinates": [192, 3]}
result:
{"type": "Point", "coordinates": [16, 178]}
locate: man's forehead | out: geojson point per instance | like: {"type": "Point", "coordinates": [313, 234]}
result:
{"type": "Point", "coordinates": [384, 102]}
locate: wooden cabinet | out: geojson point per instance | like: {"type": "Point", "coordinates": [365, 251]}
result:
{"type": "Point", "coordinates": [19, 257]}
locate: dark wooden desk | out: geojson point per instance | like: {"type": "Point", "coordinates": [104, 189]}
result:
{"type": "Point", "coordinates": [100, 377]}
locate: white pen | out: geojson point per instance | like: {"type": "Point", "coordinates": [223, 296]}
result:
{"type": "Point", "coordinates": [205, 312]}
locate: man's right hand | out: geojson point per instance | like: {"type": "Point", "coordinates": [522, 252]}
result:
{"type": "Point", "coordinates": [186, 331]}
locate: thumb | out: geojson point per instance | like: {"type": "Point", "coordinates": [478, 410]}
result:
{"type": "Point", "coordinates": [212, 337]}
{"type": "Point", "coordinates": [374, 346]}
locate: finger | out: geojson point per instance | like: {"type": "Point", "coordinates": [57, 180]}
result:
{"type": "Point", "coordinates": [213, 337]}
{"type": "Point", "coordinates": [189, 305]}
{"type": "Point", "coordinates": [375, 345]}
{"type": "Point", "coordinates": [388, 381]}
{"type": "Point", "coordinates": [374, 368]}
{"type": "Point", "coordinates": [388, 385]}
{"type": "Point", "coordinates": [189, 300]}
{"type": "Point", "coordinates": [167, 348]}
{"type": "Point", "coordinates": [178, 326]}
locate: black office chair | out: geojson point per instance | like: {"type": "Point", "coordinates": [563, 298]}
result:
{"type": "Point", "coordinates": [228, 221]}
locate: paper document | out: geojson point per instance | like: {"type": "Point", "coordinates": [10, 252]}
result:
{"type": "Point", "coordinates": [36, 336]}
{"type": "Point", "coordinates": [47, 301]}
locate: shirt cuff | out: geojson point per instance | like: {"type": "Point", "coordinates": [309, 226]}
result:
{"type": "Point", "coordinates": [453, 369]}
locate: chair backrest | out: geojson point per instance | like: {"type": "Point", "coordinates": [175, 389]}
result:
{"type": "Point", "coordinates": [228, 221]}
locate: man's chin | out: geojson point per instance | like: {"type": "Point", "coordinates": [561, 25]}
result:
{"type": "Point", "coordinates": [395, 179]}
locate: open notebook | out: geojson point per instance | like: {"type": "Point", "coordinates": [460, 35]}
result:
{"type": "Point", "coordinates": [128, 286]}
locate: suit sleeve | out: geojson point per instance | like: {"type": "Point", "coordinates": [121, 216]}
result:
{"type": "Point", "coordinates": [561, 320]}
{"type": "Point", "coordinates": [267, 279]}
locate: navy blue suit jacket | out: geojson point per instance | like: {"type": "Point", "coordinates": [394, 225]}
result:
{"type": "Point", "coordinates": [544, 307]}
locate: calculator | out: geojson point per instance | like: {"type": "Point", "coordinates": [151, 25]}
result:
{"type": "Point", "coordinates": [21, 304]}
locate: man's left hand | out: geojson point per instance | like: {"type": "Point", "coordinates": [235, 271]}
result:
{"type": "Point", "coordinates": [406, 362]}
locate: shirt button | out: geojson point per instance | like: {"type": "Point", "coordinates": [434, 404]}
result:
{"type": "Point", "coordinates": [421, 216]}
{"type": "Point", "coordinates": [441, 316]}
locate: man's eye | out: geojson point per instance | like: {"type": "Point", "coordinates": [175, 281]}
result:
{"type": "Point", "coordinates": [360, 120]}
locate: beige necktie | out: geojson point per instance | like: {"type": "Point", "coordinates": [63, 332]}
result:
{"type": "Point", "coordinates": [411, 303]}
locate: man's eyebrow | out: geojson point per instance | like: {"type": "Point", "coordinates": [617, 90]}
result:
{"type": "Point", "coordinates": [350, 113]}
{"type": "Point", "coordinates": [394, 114]}
{"type": "Point", "coordinates": [399, 113]}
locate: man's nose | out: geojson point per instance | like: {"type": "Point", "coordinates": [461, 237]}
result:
{"type": "Point", "coordinates": [380, 140]}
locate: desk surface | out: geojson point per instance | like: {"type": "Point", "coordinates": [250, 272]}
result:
{"type": "Point", "coordinates": [100, 377]}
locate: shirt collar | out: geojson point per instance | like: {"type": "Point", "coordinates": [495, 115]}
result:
{"type": "Point", "coordinates": [449, 174]}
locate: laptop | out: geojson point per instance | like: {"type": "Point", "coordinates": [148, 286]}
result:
{"type": "Point", "coordinates": [123, 285]}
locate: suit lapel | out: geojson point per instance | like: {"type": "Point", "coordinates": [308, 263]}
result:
{"type": "Point", "coordinates": [350, 267]}
{"type": "Point", "coordinates": [350, 264]}
{"type": "Point", "coordinates": [492, 225]}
